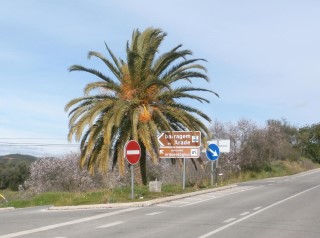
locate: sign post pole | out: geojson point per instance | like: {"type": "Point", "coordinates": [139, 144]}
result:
{"type": "Point", "coordinates": [132, 182]}
{"type": "Point", "coordinates": [217, 172]}
{"type": "Point", "coordinates": [184, 174]}
{"type": "Point", "coordinates": [212, 153]}
{"type": "Point", "coordinates": [212, 173]}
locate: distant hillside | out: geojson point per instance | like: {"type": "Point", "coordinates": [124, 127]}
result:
{"type": "Point", "coordinates": [17, 159]}
{"type": "Point", "coordinates": [14, 170]}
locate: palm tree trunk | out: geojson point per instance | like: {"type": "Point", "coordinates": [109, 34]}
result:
{"type": "Point", "coordinates": [143, 164]}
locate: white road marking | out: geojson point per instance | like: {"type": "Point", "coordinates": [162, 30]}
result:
{"type": "Point", "coordinates": [154, 213]}
{"type": "Point", "coordinates": [230, 220]}
{"type": "Point", "coordinates": [307, 173]}
{"type": "Point", "coordinates": [160, 205]}
{"type": "Point", "coordinates": [194, 199]}
{"type": "Point", "coordinates": [257, 212]}
{"type": "Point", "coordinates": [257, 208]}
{"type": "Point", "coordinates": [50, 227]}
{"type": "Point", "coordinates": [224, 194]}
{"type": "Point", "coordinates": [110, 224]}
{"type": "Point", "coordinates": [245, 213]}
{"type": "Point", "coordinates": [178, 201]}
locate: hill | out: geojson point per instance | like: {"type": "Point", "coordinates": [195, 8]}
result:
{"type": "Point", "coordinates": [14, 170]}
{"type": "Point", "coordinates": [15, 159]}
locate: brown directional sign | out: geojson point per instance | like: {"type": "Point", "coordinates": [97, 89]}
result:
{"type": "Point", "coordinates": [179, 152]}
{"type": "Point", "coordinates": [180, 138]}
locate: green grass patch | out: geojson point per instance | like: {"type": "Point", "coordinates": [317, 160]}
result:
{"type": "Point", "coordinates": [117, 195]}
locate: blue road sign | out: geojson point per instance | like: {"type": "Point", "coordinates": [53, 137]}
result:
{"type": "Point", "coordinates": [212, 152]}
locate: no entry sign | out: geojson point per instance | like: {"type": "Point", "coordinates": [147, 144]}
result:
{"type": "Point", "coordinates": [132, 152]}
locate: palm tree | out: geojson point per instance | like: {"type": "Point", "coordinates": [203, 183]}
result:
{"type": "Point", "coordinates": [138, 102]}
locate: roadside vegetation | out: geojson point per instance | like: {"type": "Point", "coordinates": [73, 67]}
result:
{"type": "Point", "coordinates": [276, 149]}
{"type": "Point", "coordinates": [123, 194]}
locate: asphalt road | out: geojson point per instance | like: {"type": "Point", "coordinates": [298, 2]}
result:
{"type": "Point", "coordinates": [272, 208]}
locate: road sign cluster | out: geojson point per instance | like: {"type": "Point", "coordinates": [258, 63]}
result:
{"type": "Point", "coordinates": [179, 144]}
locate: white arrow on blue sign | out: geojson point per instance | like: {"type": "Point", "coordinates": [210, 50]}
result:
{"type": "Point", "coordinates": [212, 152]}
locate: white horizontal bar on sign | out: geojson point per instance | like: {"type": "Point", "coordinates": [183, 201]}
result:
{"type": "Point", "coordinates": [133, 152]}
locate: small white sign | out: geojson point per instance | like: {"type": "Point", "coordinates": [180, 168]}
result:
{"type": "Point", "coordinates": [224, 145]}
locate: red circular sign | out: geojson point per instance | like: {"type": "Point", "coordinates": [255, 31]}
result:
{"type": "Point", "coordinates": [132, 151]}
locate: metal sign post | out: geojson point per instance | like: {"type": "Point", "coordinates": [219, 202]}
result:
{"type": "Point", "coordinates": [132, 182]}
{"type": "Point", "coordinates": [212, 173]}
{"type": "Point", "coordinates": [184, 174]}
{"type": "Point", "coordinates": [212, 153]}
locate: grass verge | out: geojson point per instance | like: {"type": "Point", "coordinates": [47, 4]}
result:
{"type": "Point", "coordinates": [117, 195]}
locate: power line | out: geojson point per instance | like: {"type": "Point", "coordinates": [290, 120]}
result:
{"type": "Point", "coordinates": [37, 144]}
{"type": "Point", "coordinates": [29, 138]}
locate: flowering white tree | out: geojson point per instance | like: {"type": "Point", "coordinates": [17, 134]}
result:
{"type": "Point", "coordinates": [52, 174]}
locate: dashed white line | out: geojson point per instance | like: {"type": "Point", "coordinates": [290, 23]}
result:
{"type": "Point", "coordinates": [257, 208]}
{"type": "Point", "coordinates": [245, 213]}
{"type": "Point", "coordinates": [110, 224]}
{"type": "Point", "coordinates": [50, 227]}
{"type": "Point", "coordinates": [230, 220]}
{"type": "Point", "coordinates": [222, 195]}
{"type": "Point", "coordinates": [154, 213]}
{"type": "Point", "coordinates": [256, 212]}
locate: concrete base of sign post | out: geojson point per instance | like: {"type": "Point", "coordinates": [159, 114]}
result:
{"type": "Point", "coordinates": [155, 186]}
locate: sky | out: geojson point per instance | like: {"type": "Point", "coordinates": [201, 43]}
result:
{"type": "Point", "coordinates": [263, 59]}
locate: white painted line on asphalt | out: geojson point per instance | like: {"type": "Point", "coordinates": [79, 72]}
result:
{"type": "Point", "coordinates": [178, 202]}
{"type": "Point", "coordinates": [154, 213]}
{"type": "Point", "coordinates": [110, 224]}
{"type": "Point", "coordinates": [230, 220]}
{"type": "Point", "coordinates": [50, 227]}
{"type": "Point", "coordinates": [7, 208]}
{"type": "Point", "coordinates": [194, 199]}
{"type": "Point", "coordinates": [255, 213]}
{"type": "Point", "coordinates": [256, 208]}
{"type": "Point", "coordinates": [204, 200]}
{"type": "Point", "coordinates": [308, 173]}
{"type": "Point", "coordinates": [245, 213]}
{"type": "Point", "coordinates": [163, 205]}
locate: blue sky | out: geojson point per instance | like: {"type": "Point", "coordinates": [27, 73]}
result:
{"type": "Point", "coordinates": [263, 59]}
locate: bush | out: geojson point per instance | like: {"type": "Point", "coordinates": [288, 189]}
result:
{"type": "Point", "coordinates": [52, 174]}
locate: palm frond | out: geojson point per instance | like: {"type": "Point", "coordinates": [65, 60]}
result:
{"type": "Point", "coordinates": [108, 87]}
{"type": "Point", "coordinates": [116, 72]}
{"type": "Point", "coordinates": [166, 59]}
{"type": "Point", "coordinates": [91, 71]}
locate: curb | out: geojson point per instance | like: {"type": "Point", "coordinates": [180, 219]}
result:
{"type": "Point", "coordinates": [139, 204]}
{"type": "Point", "coordinates": [6, 209]}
